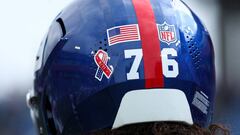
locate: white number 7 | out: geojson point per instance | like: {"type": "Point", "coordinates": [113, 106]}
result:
{"type": "Point", "coordinates": [166, 63]}
{"type": "Point", "coordinates": [133, 74]}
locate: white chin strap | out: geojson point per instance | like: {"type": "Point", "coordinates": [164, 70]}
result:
{"type": "Point", "coordinates": [151, 105]}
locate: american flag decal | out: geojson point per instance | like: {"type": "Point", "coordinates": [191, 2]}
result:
{"type": "Point", "coordinates": [124, 33]}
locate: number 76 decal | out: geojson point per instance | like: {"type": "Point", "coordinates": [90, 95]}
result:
{"type": "Point", "coordinates": [166, 63]}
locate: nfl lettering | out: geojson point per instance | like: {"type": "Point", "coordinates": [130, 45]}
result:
{"type": "Point", "coordinates": [167, 33]}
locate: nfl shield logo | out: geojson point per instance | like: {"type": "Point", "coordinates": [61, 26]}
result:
{"type": "Point", "coordinates": [167, 33]}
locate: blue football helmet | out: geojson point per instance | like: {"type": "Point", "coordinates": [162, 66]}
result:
{"type": "Point", "coordinates": [108, 63]}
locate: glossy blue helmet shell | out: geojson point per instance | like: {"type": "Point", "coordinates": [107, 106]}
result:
{"type": "Point", "coordinates": [66, 63]}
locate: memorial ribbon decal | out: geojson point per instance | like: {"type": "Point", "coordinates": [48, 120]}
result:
{"type": "Point", "coordinates": [101, 59]}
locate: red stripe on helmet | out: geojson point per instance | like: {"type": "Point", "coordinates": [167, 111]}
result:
{"type": "Point", "coordinates": [150, 44]}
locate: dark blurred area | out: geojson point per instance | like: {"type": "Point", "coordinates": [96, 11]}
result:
{"type": "Point", "coordinates": [227, 109]}
{"type": "Point", "coordinates": [15, 117]}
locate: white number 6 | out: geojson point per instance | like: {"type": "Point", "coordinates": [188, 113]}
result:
{"type": "Point", "coordinates": [169, 63]}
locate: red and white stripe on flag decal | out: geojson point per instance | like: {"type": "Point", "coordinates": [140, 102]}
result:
{"type": "Point", "coordinates": [124, 33]}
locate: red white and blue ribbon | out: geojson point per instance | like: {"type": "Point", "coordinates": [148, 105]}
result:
{"type": "Point", "coordinates": [101, 59]}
